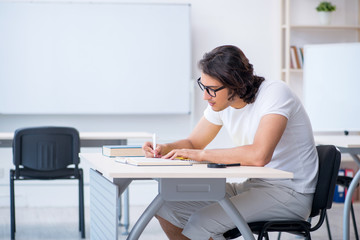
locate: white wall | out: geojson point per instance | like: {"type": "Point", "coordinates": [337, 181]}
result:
{"type": "Point", "coordinates": [253, 25]}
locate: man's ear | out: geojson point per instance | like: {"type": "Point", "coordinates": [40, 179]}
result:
{"type": "Point", "coordinates": [231, 95]}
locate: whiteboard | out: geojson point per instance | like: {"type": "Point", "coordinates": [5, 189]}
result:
{"type": "Point", "coordinates": [94, 58]}
{"type": "Point", "coordinates": [332, 86]}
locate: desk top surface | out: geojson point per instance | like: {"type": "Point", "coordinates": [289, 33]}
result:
{"type": "Point", "coordinates": [350, 141]}
{"type": "Point", "coordinates": [94, 135]}
{"type": "Point", "coordinates": [111, 169]}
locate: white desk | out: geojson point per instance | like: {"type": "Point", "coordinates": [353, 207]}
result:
{"type": "Point", "coordinates": [351, 145]}
{"type": "Point", "coordinates": [187, 183]}
{"type": "Point", "coordinates": [90, 139]}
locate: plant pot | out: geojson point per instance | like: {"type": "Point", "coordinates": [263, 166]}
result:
{"type": "Point", "coordinates": [325, 18]}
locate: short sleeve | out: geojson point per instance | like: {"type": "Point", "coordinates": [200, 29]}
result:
{"type": "Point", "coordinates": [278, 99]}
{"type": "Point", "coordinates": [212, 116]}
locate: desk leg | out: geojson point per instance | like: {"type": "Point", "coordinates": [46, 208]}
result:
{"type": "Point", "coordinates": [239, 221]}
{"type": "Point", "coordinates": [145, 218]}
{"type": "Point", "coordinates": [347, 205]}
{"type": "Point", "coordinates": [126, 212]}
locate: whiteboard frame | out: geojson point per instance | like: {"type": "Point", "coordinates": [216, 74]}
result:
{"type": "Point", "coordinates": [331, 86]}
{"type": "Point", "coordinates": [153, 82]}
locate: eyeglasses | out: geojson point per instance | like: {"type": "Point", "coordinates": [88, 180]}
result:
{"type": "Point", "coordinates": [209, 90]}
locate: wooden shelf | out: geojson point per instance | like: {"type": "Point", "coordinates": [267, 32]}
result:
{"type": "Point", "coordinates": [292, 70]}
{"type": "Point", "coordinates": [325, 27]}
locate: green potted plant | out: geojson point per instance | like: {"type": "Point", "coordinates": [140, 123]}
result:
{"type": "Point", "coordinates": [324, 9]}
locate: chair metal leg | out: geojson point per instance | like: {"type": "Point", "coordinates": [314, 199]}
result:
{"type": "Point", "coordinates": [120, 210]}
{"type": "Point", "coordinates": [263, 234]}
{"type": "Point", "coordinates": [79, 191]}
{"type": "Point", "coordinates": [266, 236]}
{"type": "Point", "coordinates": [328, 226]}
{"type": "Point", "coordinates": [81, 204]}
{"type": "Point", "coordinates": [12, 205]}
{"type": "Point", "coordinates": [354, 222]}
{"type": "Point", "coordinates": [279, 235]}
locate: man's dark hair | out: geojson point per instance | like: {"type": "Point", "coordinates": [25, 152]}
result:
{"type": "Point", "coordinates": [230, 66]}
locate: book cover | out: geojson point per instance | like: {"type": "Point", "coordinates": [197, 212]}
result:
{"type": "Point", "coordinates": [293, 55]}
{"type": "Point", "coordinates": [122, 151]}
{"type": "Point", "coordinates": [296, 56]}
{"type": "Point", "coordinates": [339, 195]}
{"type": "Point", "coordinates": [302, 56]}
{"type": "Point", "coordinates": [143, 161]}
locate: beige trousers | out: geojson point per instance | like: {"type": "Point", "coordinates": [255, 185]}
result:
{"type": "Point", "coordinates": [255, 199]}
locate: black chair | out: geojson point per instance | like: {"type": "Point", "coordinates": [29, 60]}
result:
{"type": "Point", "coordinates": [46, 153]}
{"type": "Point", "coordinates": [329, 163]}
{"type": "Point", "coordinates": [345, 181]}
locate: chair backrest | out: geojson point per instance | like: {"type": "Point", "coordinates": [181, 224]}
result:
{"type": "Point", "coordinates": [46, 148]}
{"type": "Point", "coordinates": [329, 164]}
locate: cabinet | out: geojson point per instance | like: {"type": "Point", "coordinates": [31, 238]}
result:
{"type": "Point", "coordinates": [300, 25]}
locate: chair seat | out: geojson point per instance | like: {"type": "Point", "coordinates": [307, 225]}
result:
{"type": "Point", "coordinates": [329, 164]}
{"type": "Point", "coordinates": [67, 173]}
{"type": "Point", "coordinates": [235, 233]}
{"type": "Point", "coordinates": [294, 227]}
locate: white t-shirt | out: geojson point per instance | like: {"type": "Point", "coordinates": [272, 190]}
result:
{"type": "Point", "coordinates": [295, 151]}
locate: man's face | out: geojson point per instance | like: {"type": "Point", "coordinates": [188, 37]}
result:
{"type": "Point", "coordinates": [218, 100]}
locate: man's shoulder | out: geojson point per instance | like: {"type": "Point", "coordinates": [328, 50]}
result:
{"type": "Point", "coordinates": [274, 87]}
{"type": "Point", "coordinates": [273, 84]}
{"type": "Point", "coordinates": [273, 92]}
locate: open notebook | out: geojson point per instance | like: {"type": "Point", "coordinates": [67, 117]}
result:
{"type": "Point", "coordinates": [143, 161]}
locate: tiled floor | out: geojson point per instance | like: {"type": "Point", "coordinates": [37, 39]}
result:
{"type": "Point", "coordinates": [62, 223]}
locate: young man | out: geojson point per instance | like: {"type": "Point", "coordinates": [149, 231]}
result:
{"type": "Point", "coordinates": [268, 126]}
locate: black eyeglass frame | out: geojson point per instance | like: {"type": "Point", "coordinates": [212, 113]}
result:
{"type": "Point", "coordinates": [209, 90]}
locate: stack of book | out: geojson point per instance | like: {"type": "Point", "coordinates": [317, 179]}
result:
{"type": "Point", "coordinates": [122, 151]}
{"type": "Point", "coordinates": [296, 57]}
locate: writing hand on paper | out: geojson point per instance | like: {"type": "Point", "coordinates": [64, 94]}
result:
{"type": "Point", "coordinates": [150, 152]}
{"type": "Point", "coordinates": [192, 154]}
